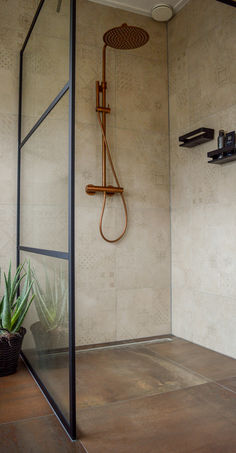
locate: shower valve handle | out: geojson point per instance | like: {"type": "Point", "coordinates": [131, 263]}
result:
{"type": "Point", "coordinates": [90, 189]}
{"type": "Point", "coordinates": [103, 109]}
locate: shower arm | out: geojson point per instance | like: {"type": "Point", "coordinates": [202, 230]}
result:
{"type": "Point", "coordinates": [107, 190]}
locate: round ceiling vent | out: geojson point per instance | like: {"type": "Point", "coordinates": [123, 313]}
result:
{"type": "Point", "coordinates": [162, 12]}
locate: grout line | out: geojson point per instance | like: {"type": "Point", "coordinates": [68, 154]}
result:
{"type": "Point", "coordinates": [26, 419]}
{"type": "Point", "coordinates": [170, 186]}
{"type": "Point", "coordinates": [152, 394]}
{"type": "Point", "coordinates": [211, 380]}
{"type": "Point", "coordinates": [183, 367]}
{"type": "Point", "coordinates": [82, 445]}
{"type": "Point", "coordinates": [205, 347]}
{"type": "Point", "coordinates": [136, 398]}
{"type": "Point", "coordinates": [224, 387]}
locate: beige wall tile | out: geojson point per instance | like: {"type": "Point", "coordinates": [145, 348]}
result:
{"type": "Point", "coordinates": [140, 312]}
{"type": "Point", "coordinates": [136, 269]}
{"type": "Point", "coordinates": [15, 18]}
{"type": "Point", "coordinates": [122, 290]}
{"type": "Point", "coordinates": [202, 93]}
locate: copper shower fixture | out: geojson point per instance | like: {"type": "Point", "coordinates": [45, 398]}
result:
{"type": "Point", "coordinates": [122, 38]}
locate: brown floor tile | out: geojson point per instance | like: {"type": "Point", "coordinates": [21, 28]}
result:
{"type": "Point", "coordinates": [196, 358]}
{"type": "Point", "coordinates": [117, 374]}
{"type": "Point", "coordinates": [131, 399]}
{"type": "Point", "coordinates": [20, 397]}
{"type": "Point", "coordinates": [38, 435]}
{"type": "Point", "coordinates": [229, 383]}
{"type": "Point", "coordinates": [198, 419]}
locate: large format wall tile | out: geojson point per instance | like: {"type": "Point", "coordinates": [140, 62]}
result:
{"type": "Point", "coordinates": [122, 289]}
{"type": "Point", "coordinates": [202, 93]}
{"type": "Point", "coordinates": [15, 18]}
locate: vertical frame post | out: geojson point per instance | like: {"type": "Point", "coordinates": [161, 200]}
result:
{"type": "Point", "coordinates": [71, 426]}
{"type": "Point", "coordinates": [19, 162]}
{"type": "Point", "coordinates": [71, 220]}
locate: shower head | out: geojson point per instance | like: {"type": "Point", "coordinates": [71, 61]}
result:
{"type": "Point", "coordinates": [126, 37]}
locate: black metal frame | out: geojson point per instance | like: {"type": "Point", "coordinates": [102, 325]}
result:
{"type": "Point", "coordinates": [70, 85]}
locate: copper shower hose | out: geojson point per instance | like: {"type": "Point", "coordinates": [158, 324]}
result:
{"type": "Point", "coordinates": [105, 194]}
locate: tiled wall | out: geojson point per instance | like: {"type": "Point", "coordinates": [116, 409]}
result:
{"type": "Point", "coordinates": [122, 290]}
{"type": "Point", "coordinates": [202, 77]}
{"type": "Point", "coordinates": [15, 19]}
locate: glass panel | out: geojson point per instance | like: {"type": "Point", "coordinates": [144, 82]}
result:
{"type": "Point", "coordinates": [44, 182]}
{"type": "Point", "coordinates": [47, 338]}
{"type": "Point", "coordinates": [45, 61]}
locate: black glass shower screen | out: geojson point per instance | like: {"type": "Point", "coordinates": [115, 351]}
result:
{"type": "Point", "coordinates": [45, 201]}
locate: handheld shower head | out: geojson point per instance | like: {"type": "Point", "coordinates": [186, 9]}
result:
{"type": "Point", "coordinates": [126, 37]}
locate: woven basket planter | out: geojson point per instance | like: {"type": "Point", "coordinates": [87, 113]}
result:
{"type": "Point", "coordinates": [10, 351]}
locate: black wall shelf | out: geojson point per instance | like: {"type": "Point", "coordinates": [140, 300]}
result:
{"type": "Point", "coordinates": [228, 2]}
{"type": "Point", "coordinates": [197, 137]}
{"type": "Point", "coordinates": [229, 154]}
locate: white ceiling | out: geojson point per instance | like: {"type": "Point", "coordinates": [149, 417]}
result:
{"type": "Point", "coordinates": [141, 6]}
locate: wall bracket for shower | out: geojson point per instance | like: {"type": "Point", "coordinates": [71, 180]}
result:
{"type": "Point", "coordinates": [123, 37]}
{"type": "Point", "coordinates": [197, 137]}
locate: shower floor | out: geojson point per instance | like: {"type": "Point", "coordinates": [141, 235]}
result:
{"type": "Point", "coordinates": [172, 397]}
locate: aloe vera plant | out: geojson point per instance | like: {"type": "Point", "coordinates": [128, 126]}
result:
{"type": "Point", "coordinates": [13, 308]}
{"type": "Point", "coordinates": [51, 303]}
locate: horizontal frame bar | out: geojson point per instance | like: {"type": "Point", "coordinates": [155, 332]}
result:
{"type": "Point", "coordinates": [52, 253]}
{"type": "Point", "coordinates": [46, 113]}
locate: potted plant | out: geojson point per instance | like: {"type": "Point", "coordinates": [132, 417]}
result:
{"type": "Point", "coordinates": [13, 309]}
{"type": "Point", "coordinates": [51, 301]}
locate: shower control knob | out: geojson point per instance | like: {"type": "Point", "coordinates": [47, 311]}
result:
{"type": "Point", "coordinates": [89, 189]}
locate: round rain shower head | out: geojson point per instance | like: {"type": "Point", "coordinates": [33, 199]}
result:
{"type": "Point", "coordinates": [162, 12]}
{"type": "Point", "coordinates": [126, 37]}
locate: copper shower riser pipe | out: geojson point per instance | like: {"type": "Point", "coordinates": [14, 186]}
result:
{"type": "Point", "coordinates": [104, 110]}
{"type": "Point", "coordinates": [110, 190]}
{"type": "Point", "coordinates": [104, 87]}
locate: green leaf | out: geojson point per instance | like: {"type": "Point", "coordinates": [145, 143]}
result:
{"type": "Point", "coordinates": [16, 282]}
{"type": "Point", "coordinates": [22, 316]}
{"type": "Point", "coordinates": [6, 313]}
{"type": "Point", "coordinates": [1, 307]}
{"type": "Point", "coordinates": [13, 309]}
{"type": "Point", "coordinates": [21, 305]}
